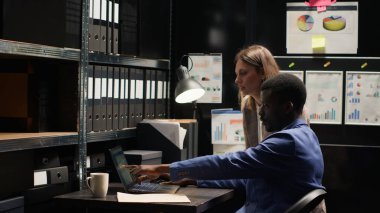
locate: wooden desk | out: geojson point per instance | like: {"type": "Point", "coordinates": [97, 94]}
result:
{"type": "Point", "coordinates": [202, 199]}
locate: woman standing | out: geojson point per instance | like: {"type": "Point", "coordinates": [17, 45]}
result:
{"type": "Point", "coordinates": [254, 65]}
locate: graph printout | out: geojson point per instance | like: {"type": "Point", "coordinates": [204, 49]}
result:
{"type": "Point", "coordinates": [208, 71]}
{"type": "Point", "coordinates": [227, 127]}
{"type": "Point", "coordinates": [297, 73]}
{"type": "Point", "coordinates": [324, 96]}
{"type": "Point", "coordinates": [362, 98]}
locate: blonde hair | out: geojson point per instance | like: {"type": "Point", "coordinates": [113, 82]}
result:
{"type": "Point", "coordinates": [263, 61]}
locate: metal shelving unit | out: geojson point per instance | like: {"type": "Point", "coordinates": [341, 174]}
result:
{"type": "Point", "coordinates": [129, 61]}
{"type": "Point", "coordinates": [38, 50]}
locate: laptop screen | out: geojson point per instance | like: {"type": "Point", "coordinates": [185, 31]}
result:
{"type": "Point", "coordinates": [119, 160]}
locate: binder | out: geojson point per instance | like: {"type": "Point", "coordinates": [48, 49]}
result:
{"type": "Point", "coordinates": [109, 98]}
{"type": "Point", "coordinates": [132, 97]}
{"type": "Point", "coordinates": [96, 25]}
{"type": "Point", "coordinates": [97, 98]}
{"type": "Point", "coordinates": [139, 95]}
{"type": "Point", "coordinates": [147, 95]}
{"type": "Point", "coordinates": [116, 98]}
{"type": "Point", "coordinates": [160, 107]}
{"type": "Point", "coordinates": [165, 96]}
{"type": "Point", "coordinates": [122, 98]}
{"type": "Point", "coordinates": [109, 27]}
{"type": "Point", "coordinates": [103, 107]}
{"type": "Point", "coordinates": [152, 102]}
{"type": "Point", "coordinates": [103, 26]}
{"type": "Point", "coordinates": [116, 27]}
{"type": "Point", "coordinates": [90, 98]}
{"type": "Point", "coordinates": [91, 33]}
{"type": "Point", "coordinates": [126, 99]}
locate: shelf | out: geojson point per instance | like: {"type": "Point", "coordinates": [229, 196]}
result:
{"type": "Point", "coordinates": [37, 50]}
{"type": "Point", "coordinates": [23, 141]}
{"type": "Point", "coordinates": [128, 61]}
{"type": "Point", "coordinates": [111, 135]}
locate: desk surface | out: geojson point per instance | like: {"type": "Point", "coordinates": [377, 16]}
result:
{"type": "Point", "coordinates": [202, 199]}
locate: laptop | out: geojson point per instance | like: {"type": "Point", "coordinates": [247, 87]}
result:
{"type": "Point", "coordinates": [129, 180]}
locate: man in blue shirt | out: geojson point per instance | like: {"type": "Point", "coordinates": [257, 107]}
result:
{"type": "Point", "coordinates": [276, 173]}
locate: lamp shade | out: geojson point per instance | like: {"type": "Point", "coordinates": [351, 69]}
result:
{"type": "Point", "coordinates": [187, 89]}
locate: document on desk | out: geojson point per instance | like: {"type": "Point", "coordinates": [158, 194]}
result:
{"type": "Point", "coordinates": [171, 130]}
{"type": "Point", "coordinates": [152, 198]}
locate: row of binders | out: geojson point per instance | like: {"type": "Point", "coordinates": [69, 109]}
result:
{"type": "Point", "coordinates": [103, 28]}
{"type": "Point", "coordinates": [121, 97]}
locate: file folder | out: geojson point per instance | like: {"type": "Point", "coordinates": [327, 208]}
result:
{"type": "Point", "coordinates": [132, 97]}
{"type": "Point", "coordinates": [147, 95]}
{"type": "Point", "coordinates": [103, 108]}
{"type": "Point", "coordinates": [122, 98]}
{"type": "Point", "coordinates": [97, 98]}
{"type": "Point", "coordinates": [166, 95]}
{"type": "Point", "coordinates": [91, 33]}
{"type": "Point", "coordinates": [140, 89]}
{"type": "Point", "coordinates": [153, 78]}
{"type": "Point", "coordinates": [96, 25]}
{"type": "Point", "coordinates": [103, 26]}
{"type": "Point", "coordinates": [116, 98]}
{"type": "Point", "coordinates": [109, 27]}
{"type": "Point", "coordinates": [126, 100]}
{"type": "Point", "coordinates": [160, 107]}
{"type": "Point", "coordinates": [90, 98]}
{"type": "Point", "coordinates": [116, 27]}
{"type": "Point", "coordinates": [109, 98]}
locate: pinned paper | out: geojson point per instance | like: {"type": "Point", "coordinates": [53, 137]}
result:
{"type": "Point", "coordinates": [320, 4]}
{"type": "Point", "coordinates": [318, 43]}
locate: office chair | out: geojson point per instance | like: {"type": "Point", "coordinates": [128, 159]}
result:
{"type": "Point", "coordinates": [308, 202]}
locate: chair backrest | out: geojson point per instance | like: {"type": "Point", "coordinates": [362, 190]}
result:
{"type": "Point", "coordinates": [308, 202]}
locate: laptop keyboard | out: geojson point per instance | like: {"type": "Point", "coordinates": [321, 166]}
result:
{"type": "Point", "coordinates": [145, 187]}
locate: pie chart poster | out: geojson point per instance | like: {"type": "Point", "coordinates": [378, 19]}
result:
{"type": "Point", "coordinates": [334, 30]}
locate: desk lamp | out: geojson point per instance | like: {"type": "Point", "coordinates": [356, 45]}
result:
{"type": "Point", "coordinates": [187, 89]}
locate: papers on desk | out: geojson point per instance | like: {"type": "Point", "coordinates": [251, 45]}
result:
{"type": "Point", "coordinates": [152, 198]}
{"type": "Point", "coordinates": [171, 130]}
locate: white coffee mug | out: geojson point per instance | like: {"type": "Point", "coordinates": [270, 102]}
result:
{"type": "Point", "coordinates": [98, 184]}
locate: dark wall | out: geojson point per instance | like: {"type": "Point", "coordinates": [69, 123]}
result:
{"type": "Point", "coordinates": [193, 21]}
{"type": "Point", "coordinates": [351, 153]}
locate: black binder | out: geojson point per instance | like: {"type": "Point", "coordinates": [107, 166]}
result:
{"type": "Point", "coordinates": [97, 98]}
{"type": "Point", "coordinates": [147, 95]}
{"type": "Point", "coordinates": [109, 98]}
{"type": "Point", "coordinates": [96, 25]}
{"type": "Point", "coordinates": [116, 27]}
{"type": "Point", "coordinates": [126, 100]}
{"type": "Point", "coordinates": [140, 89]}
{"type": "Point", "coordinates": [116, 98]}
{"type": "Point", "coordinates": [166, 95]}
{"type": "Point", "coordinates": [160, 106]}
{"type": "Point", "coordinates": [103, 26]}
{"type": "Point", "coordinates": [90, 98]}
{"type": "Point", "coordinates": [91, 26]}
{"type": "Point", "coordinates": [132, 97]}
{"type": "Point", "coordinates": [122, 98]}
{"type": "Point", "coordinates": [109, 26]}
{"type": "Point", "coordinates": [103, 108]}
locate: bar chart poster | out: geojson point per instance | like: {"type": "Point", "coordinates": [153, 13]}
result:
{"type": "Point", "coordinates": [362, 98]}
{"type": "Point", "coordinates": [297, 73]}
{"type": "Point", "coordinates": [227, 127]}
{"type": "Point", "coordinates": [324, 96]}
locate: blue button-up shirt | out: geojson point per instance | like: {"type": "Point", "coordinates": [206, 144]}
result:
{"type": "Point", "coordinates": [274, 174]}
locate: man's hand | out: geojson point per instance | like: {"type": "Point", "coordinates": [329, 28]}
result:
{"type": "Point", "coordinates": [148, 172]}
{"type": "Point", "coordinates": [183, 182]}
